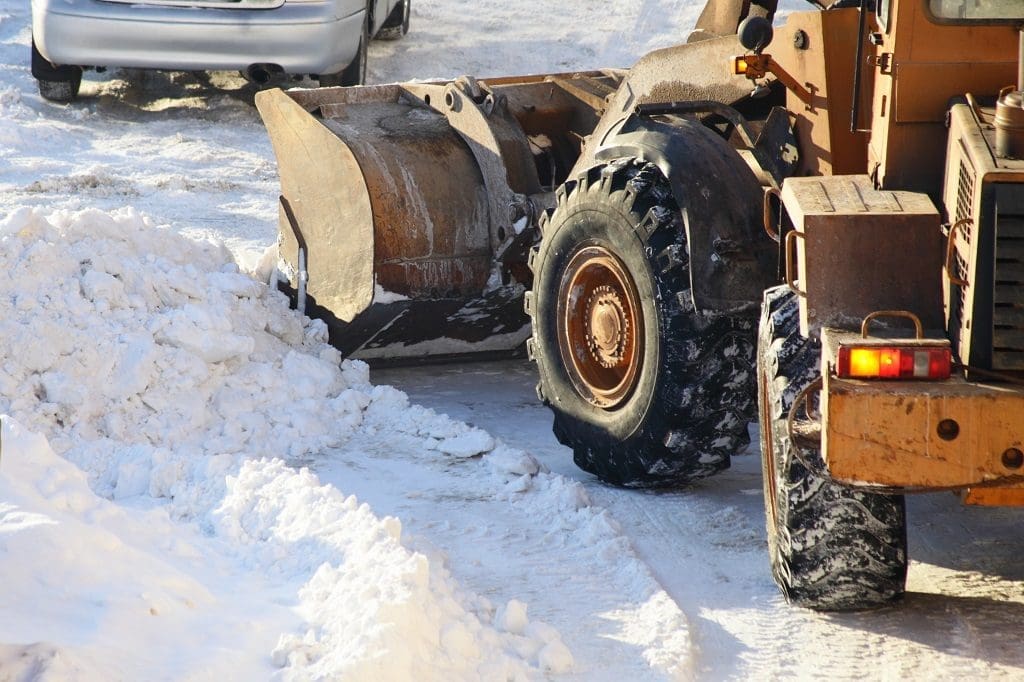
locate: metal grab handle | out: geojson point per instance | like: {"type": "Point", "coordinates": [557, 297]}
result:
{"type": "Point", "coordinates": [892, 313]}
{"type": "Point", "coordinates": [790, 265]}
{"type": "Point", "coordinates": [951, 252]}
{"type": "Point", "coordinates": [769, 226]}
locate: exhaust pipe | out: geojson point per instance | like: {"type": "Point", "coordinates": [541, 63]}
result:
{"type": "Point", "coordinates": [261, 74]}
{"type": "Point", "coordinates": [1009, 119]}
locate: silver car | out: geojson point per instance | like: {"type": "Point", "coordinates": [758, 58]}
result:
{"type": "Point", "coordinates": [325, 39]}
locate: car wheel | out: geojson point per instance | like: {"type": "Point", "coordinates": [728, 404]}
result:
{"type": "Point", "coordinates": [644, 389]}
{"type": "Point", "coordinates": [397, 23]}
{"type": "Point", "coordinates": [355, 72]}
{"type": "Point", "coordinates": [56, 83]}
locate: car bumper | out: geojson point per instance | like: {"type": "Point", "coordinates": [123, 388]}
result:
{"type": "Point", "coordinates": [300, 37]}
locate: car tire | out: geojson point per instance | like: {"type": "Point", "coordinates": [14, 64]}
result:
{"type": "Point", "coordinates": [355, 72]}
{"type": "Point", "coordinates": [397, 23]}
{"type": "Point", "coordinates": [56, 83]}
{"type": "Point", "coordinates": [666, 398]}
{"type": "Point", "coordinates": [831, 547]}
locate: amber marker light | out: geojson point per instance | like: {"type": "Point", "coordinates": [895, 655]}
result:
{"type": "Point", "coordinates": [739, 66]}
{"type": "Point", "coordinates": [893, 362]}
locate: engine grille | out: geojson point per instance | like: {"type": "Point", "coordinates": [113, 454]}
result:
{"type": "Point", "coordinates": [1008, 296]}
{"type": "Point", "coordinates": [984, 199]}
{"type": "Point", "coordinates": [986, 325]}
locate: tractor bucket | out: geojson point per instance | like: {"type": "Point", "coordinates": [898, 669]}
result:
{"type": "Point", "coordinates": [404, 208]}
{"type": "Point", "coordinates": [367, 245]}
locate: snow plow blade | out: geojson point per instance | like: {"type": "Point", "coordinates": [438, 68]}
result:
{"type": "Point", "coordinates": [405, 209]}
{"type": "Point", "coordinates": [391, 270]}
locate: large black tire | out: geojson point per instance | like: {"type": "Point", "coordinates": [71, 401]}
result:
{"type": "Point", "coordinates": [644, 389]}
{"type": "Point", "coordinates": [397, 23]}
{"type": "Point", "coordinates": [355, 72]}
{"type": "Point", "coordinates": [832, 547]}
{"type": "Point", "coordinates": [57, 83]}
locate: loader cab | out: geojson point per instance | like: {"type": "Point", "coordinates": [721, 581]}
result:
{"type": "Point", "coordinates": [880, 91]}
{"type": "Point", "coordinates": [920, 54]}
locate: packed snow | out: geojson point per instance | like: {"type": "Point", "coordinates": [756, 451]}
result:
{"type": "Point", "coordinates": [194, 485]}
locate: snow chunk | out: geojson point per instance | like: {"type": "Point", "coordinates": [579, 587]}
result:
{"type": "Point", "coordinates": [469, 444]}
{"type": "Point", "coordinates": [193, 329]}
{"type": "Point", "coordinates": [512, 618]}
{"type": "Point", "coordinates": [101, 286]}
{"type": "Point", "coordinates": [381, 295]}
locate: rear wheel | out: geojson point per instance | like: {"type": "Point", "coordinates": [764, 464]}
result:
{"type": "Point", "coordinates": [355, 72]}
{"type": "Point", "coordinates": [645, 390]}
{"type": "Point", "coordinates": [832, 547]}
{"type": "Point", "coordinates": [56, 83]}
{"type": "Point", "coordinates": [397, 23]}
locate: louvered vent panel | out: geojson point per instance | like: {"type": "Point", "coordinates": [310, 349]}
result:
{"type": "Point", "coordinates": [1008, 298]}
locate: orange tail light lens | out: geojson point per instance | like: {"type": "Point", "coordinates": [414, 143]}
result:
{"type": "Point", "coordinates": [893, 362]}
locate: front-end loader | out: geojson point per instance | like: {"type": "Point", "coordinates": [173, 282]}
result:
{"type": "Point", "coordinates": [819, 226]}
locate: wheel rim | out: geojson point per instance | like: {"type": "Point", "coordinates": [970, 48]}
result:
{"type": "Point", "coordinates": [600, 327]}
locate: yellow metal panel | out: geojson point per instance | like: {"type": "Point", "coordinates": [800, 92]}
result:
{"type": "Point", "coordinates": [995, 497]}
{"type": "Point", "coordinates": [918, 101]}
{"type": "Point", "coordinates": [888, 432]}
{"type": "Point", "coordinates": [919, 65]}
{"type": "Point", "coordinates": [822, 59]}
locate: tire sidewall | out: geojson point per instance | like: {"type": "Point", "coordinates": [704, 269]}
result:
{"type": "Point", "coordinates": [578, 228]}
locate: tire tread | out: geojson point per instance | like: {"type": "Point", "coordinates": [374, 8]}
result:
{"type": "Point", "coordinates": [831, 547]}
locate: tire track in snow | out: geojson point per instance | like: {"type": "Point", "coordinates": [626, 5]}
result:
{"type": "Point", "coordinates": [544, 546]}
{"type": "Point", "coordinates": [706, 546]}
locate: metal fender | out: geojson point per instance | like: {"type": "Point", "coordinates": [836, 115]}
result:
{"type": "Point", "coordinates": [732, 260]}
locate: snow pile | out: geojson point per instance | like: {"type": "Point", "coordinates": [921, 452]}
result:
{"type": "Point", "coordinates": [164, 373]}
{"type": "Point", "coordinates": [384, 612]}
{"type": "Point", "coordinates": [96, 592]}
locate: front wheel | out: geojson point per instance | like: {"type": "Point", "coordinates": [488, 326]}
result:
{"type": "Point", "coordinates": [644, 389]}
{"type": "Point", "coordinates": [831, 547]}
{"type": "Point", "coordinates": [397, 23]}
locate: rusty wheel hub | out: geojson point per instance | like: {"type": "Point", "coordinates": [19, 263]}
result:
{"type": "Point", "coordinates": [607, 326]}
{"type": "Point", "coordinates": [600, 327]}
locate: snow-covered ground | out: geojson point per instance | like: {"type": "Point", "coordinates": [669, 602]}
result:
{"type": "Point", "coordinates": [193, 487]}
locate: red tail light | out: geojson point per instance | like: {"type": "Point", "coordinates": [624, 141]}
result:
{"type": "Point", "coordinates": [893, 362]}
